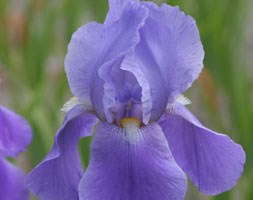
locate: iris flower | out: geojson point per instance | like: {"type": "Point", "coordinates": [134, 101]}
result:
{"type": "Point", "coordinates": [128, 75]}
{"type": "Point", "coordinates": [15, 135]}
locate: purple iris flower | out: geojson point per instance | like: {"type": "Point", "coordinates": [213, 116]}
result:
{"type": "Point", "coordinates": [15, 135]}
{"type": "Point", "coordinates": [127, 76]}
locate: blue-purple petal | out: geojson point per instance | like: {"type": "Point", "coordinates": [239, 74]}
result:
{"type": "Point", "coordinates": [81, 59]}
{"type": "Point", "coordinates": [172, 40]}
{"type": "Point", "coordinates": [58, 175]}
{"type": "Point", "coordinates": [12, 182]}
{"type": "Point", "coordinates": [125, 37]}
{"type": "Point", "coordinates": [93, 51]}
{"type": "Point", "coordinates": [15, 133]}
{"type": "Point", "coordinates": [167, 59]}
{"type": "Point", "coordinates": [131, 166]}
{"type": "Point", "coordinates": [212, 160]}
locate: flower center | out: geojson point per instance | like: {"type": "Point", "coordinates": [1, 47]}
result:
{"type": "Point", "coordinates": [131, 124]}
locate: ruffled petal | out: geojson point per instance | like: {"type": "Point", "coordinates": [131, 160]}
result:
{"type": "Point", "coordinates": [131, 165]}
{"type": "Point", "coordinates": [212, 160]}
{"type": "Point", "coordinates": [93, 51]}
{"type": "Point", "coordinates": [15, 133]}
{"type": "Point", "coordinates": [167, 59]}
{"type": "Point", "coordinates": [125, 37]}
{"type": "Point", "coordinates": [12, 182]}
{"type": "Point", "coordinates": [82, 56]}
{"type": "Point", "coordinates": [172, 41]}
{"type": "Point", "coordinates": [58, 175]}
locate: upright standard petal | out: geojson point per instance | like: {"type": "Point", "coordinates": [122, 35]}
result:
{"type": "Point", "coordinates": [96, 46]}
{"type": "Point", "coordinates": [58, 175]}
{"type": "Point", "coordinates": [15, 133]}
{"type": "Point", "coordinates": [125, 37]}
{"type": "Point", "coordinates": [12, 182]}
{"type": "Point", "coordinates": [212, 160]}
{"type": "Point", "coordinates": [135, 164]}
{"type": "Point", "coordinates": [173, 42]}
{"type": "Point", "coordinates": [168, 58]}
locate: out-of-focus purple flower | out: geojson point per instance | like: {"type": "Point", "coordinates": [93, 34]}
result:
{"type": "Point", "coordinates": [15, 135]}
{"type": "Point", "coordinates": [128, 75]}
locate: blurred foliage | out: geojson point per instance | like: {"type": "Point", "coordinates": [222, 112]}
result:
{"type": "Point", "coordinates": [33, 42]}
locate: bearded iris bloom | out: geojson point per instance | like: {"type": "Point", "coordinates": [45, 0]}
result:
{"type": "Point", "coordinates": [15, 135]}
{"type": "Point", "coordinates": [127, 76]}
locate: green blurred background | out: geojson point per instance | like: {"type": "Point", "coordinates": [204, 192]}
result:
{"type": "Point", "coordinates": [34, 35]}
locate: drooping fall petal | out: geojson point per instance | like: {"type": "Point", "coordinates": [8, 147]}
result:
{"type": "Point", "coordinates": [212, 160]}
{"type": "Point", "coordinates": [58, 175]}
{"type": "Point", "coordinates": [131, 165]}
